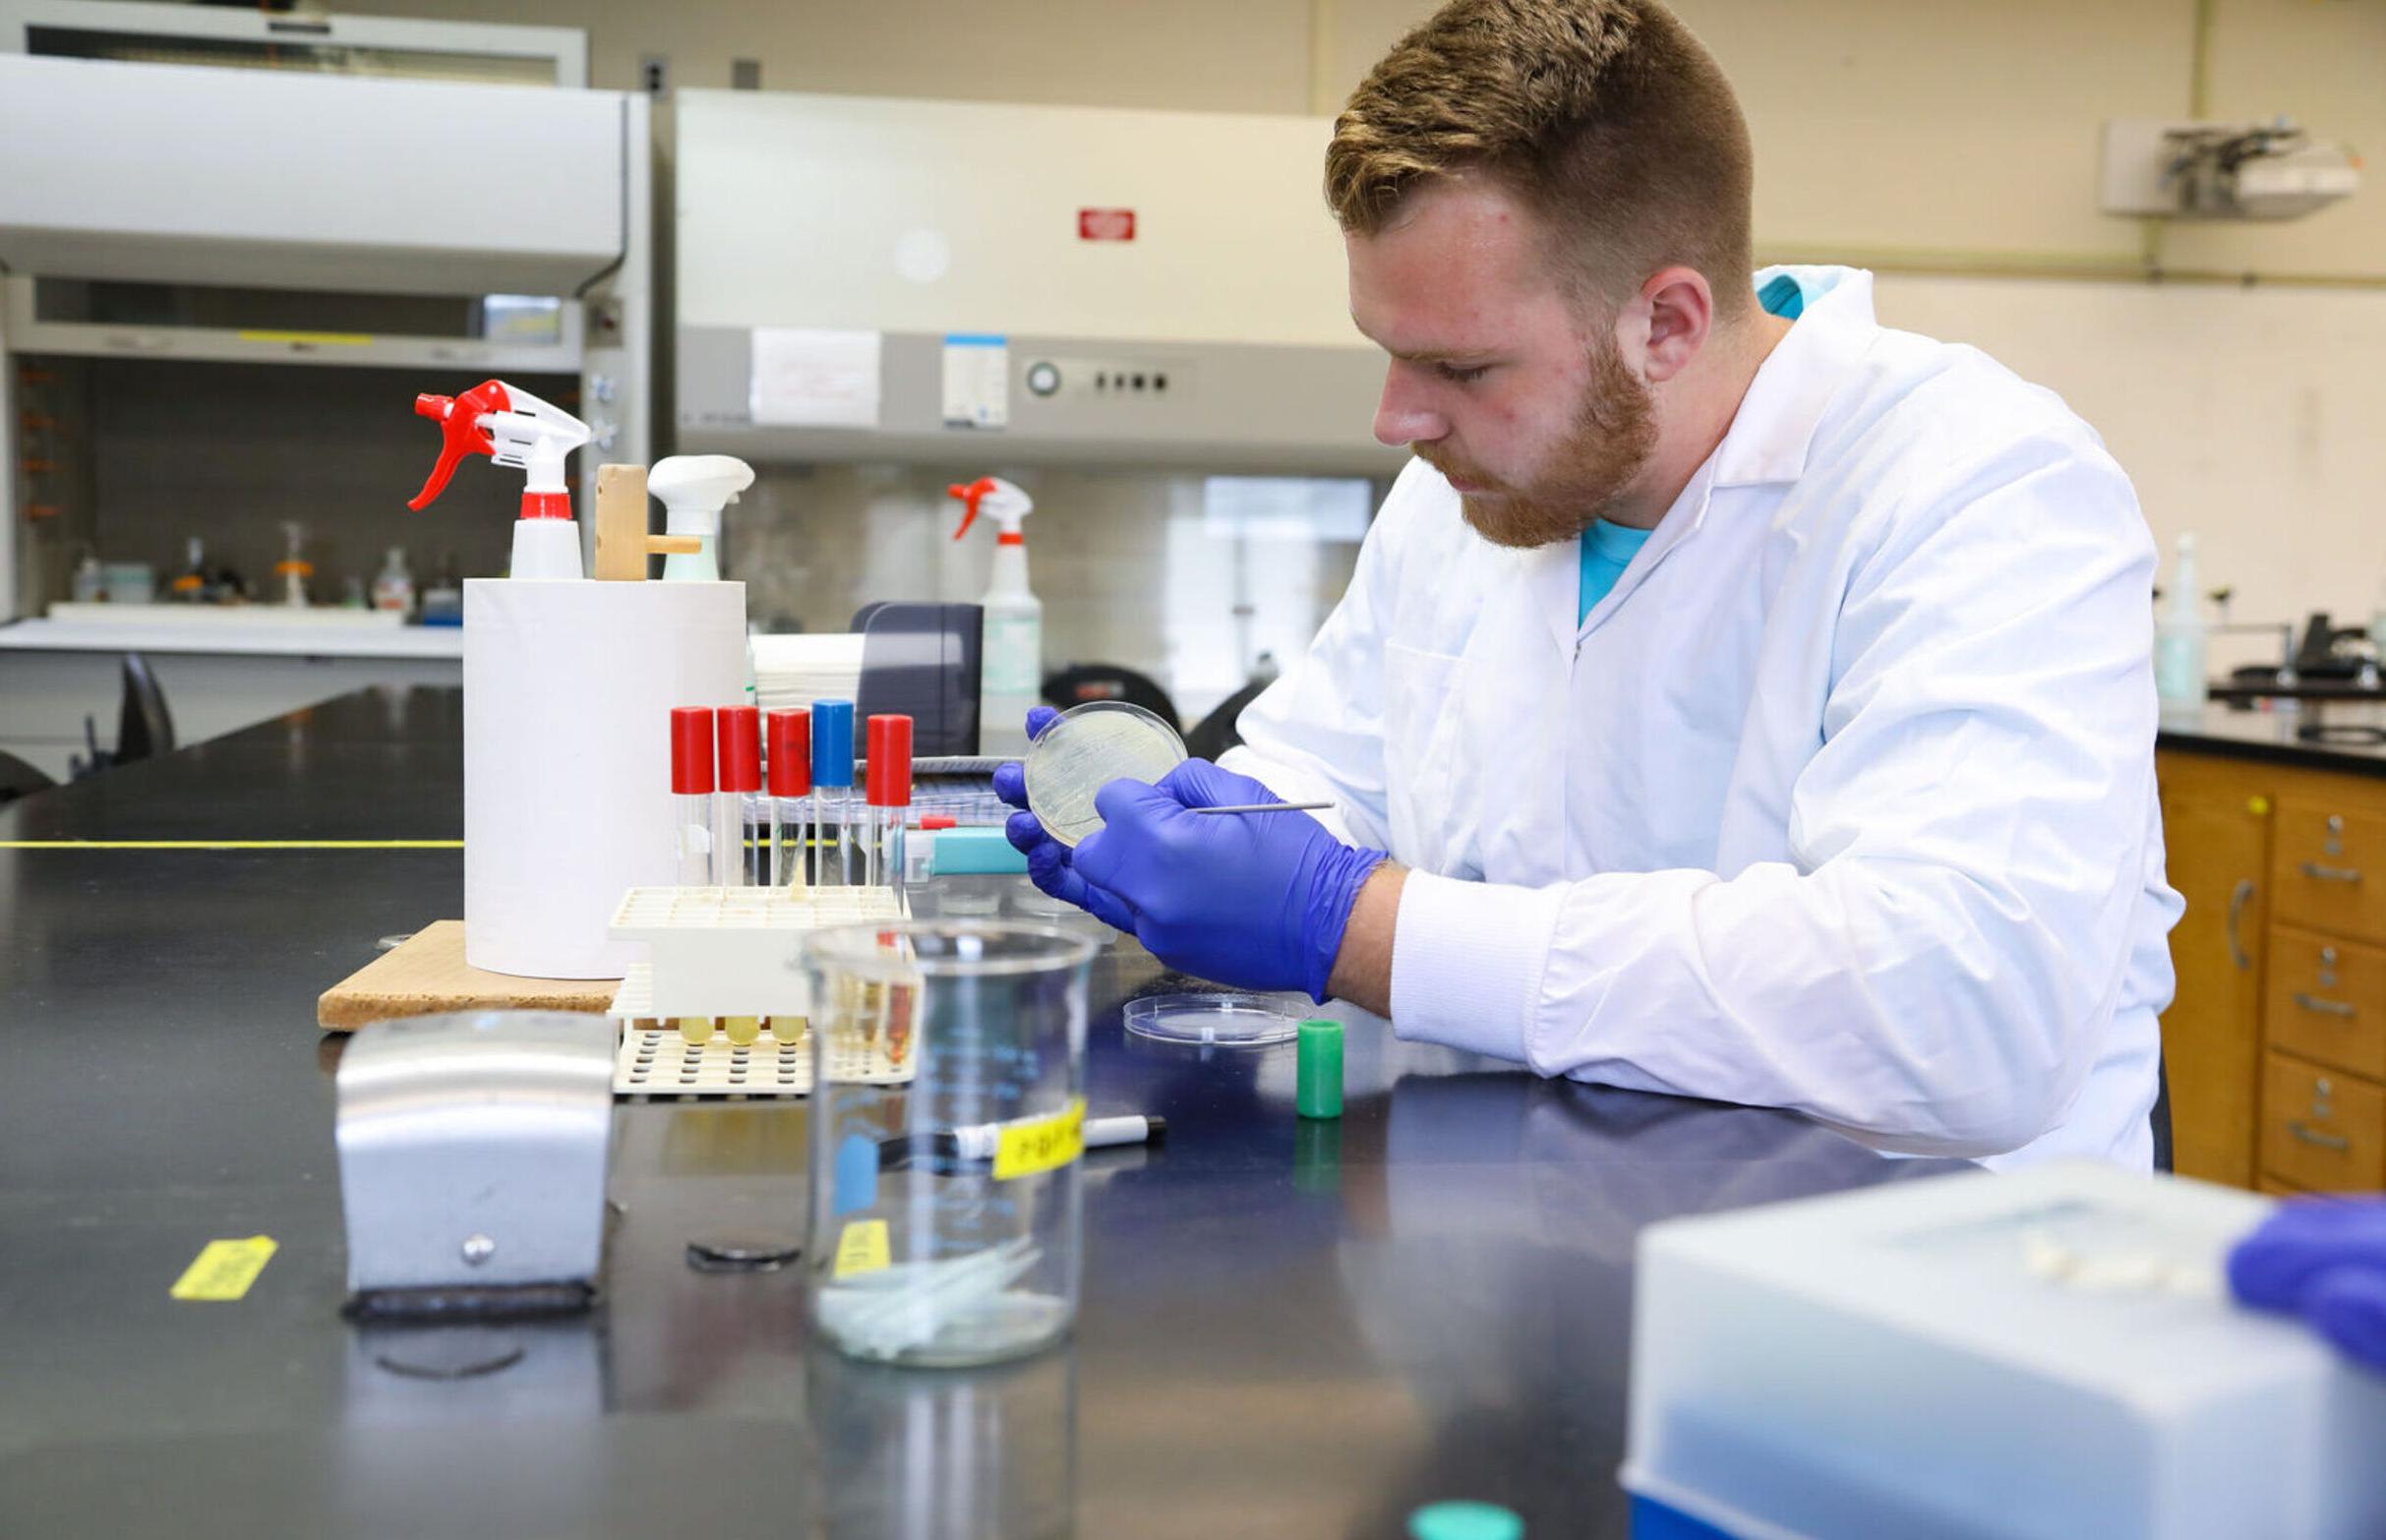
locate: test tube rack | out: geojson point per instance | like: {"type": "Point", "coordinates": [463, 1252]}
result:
{"type": "Point", "coordinates": [731, 952]}
{"type": "Point", "coordinates": [654, 1060]}
{"type": "Point", "coordinates": [735, 951]}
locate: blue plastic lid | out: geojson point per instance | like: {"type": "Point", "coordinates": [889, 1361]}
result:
{"type": "Point", "coordinates": [832, 742]}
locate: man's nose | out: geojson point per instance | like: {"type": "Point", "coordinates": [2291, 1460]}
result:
{"type": "Point", "coordinates": [1402, 415]}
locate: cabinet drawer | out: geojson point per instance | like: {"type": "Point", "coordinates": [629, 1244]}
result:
{"type": "Point", "coordinates": [2322, 1129]}
{"type": "Point", "coordinates": [2327, 1001]}
{"type": "Point", "coordinates": [2328, 869]}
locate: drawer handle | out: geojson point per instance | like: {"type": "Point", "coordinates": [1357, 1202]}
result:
{"type": "Point", "coordinates": [2319, 873]}
{"type": "Point", "coordinates": [2312, 1136]}
{"type": "Point", "coordinates": [2237, 898]}
{"type": "Point", "coordinates": [2313, 1002]}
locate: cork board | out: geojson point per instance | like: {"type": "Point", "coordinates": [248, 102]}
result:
{"type": "Point", "coordinates": [428, 975]}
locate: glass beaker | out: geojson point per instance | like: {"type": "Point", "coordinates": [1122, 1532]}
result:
{"type": "Point", "coordinates": [949, 1114]}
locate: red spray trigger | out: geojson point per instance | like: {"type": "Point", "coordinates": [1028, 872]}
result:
{"type": "Point", "coordinates": [971, 496]}
{"type": "Point", "coordinates": [459, 431]}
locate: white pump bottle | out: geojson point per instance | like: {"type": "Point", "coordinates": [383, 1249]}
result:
{"type": "Point", "coordinates": [1010, 680]}
{"type": "Point", "coordinates": [694, 489]}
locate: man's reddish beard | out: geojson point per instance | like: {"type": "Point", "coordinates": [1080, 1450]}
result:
{"type": "Point", "coordinates": [1613, 435]}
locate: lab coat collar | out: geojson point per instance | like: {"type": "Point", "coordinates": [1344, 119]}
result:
{"type": "Point", "coordinates": [1771, 434]}
{"type": "Point", "coordinates": [1767, 443]}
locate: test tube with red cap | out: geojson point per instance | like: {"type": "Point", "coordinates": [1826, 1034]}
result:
{"type": "Point", "coordinates": [740, 812]}
{"type": "Point", "coordinates": [691, 789]}
{"type": "Point", "coordinates": [888, 773]}
{"type": "Point", "coordinates": [790, 788]}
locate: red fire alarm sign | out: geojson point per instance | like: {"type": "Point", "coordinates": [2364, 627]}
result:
{"type": "Point", "coordinates": [1106, 224]}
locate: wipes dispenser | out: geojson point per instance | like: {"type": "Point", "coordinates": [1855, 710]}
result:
{"type": "Point", "coordinates": [515, 429]}
{"type": "Point", "coordinates": [694, 489]}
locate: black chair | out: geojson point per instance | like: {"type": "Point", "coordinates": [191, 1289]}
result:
{"type": "Point", "coordinates": [1216, 733]}
{"type": "Point", "coordinates": [2161, 1117]}
{"type": "Point", "coordinates": [1080, 682]}
{"type": "Point", "coordinates": [18, 779]}
{"type": "Point", "coordinates": [145, 728]}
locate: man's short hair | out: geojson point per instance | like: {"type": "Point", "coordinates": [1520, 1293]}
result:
{"type": "Point", "coordinates": [1606, 117]}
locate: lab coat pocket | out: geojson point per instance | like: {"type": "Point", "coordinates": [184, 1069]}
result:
{"type": "Point", "coordinates": [1421, 702]}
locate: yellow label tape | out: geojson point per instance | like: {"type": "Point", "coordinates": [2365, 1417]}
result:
{"type": "Point", "coordinates": [862, 1248]}
{"type": "Point", "coordinates": [1041, 1144]}
{"type": "Point", "coordinates": [231, 845]}
{"type": "Point", "coordinates": [311, 338]}
{"type": "Point", "coordinates": [224, 1269]}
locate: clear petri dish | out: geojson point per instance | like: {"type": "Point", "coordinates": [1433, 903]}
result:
{"type": "Point", "coordinates": [1229, 1018]}
{"type": "Point", "coordinates": [1085, 749]}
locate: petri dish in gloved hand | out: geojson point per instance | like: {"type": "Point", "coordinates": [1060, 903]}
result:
{"type": "Point", "coordinates": [1084, 749]}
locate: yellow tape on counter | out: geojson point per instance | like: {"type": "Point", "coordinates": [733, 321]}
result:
{"type": "Point", "coordinates": [862, 1248]}
{"type": "Point", "coordinates": [224, 1269]}
{"type": "Point", "coordinates": [231, 845]}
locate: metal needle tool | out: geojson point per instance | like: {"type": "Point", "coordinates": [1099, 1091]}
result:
{"type": "Point", "coordinates": [1253, 807]}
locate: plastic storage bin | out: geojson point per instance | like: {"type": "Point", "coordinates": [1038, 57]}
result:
{"type": "Point", "coordinates": [2049, 1355]}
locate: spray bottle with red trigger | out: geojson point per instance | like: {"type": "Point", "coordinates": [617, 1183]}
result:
{"type": "Point", "coordinates": [1010, 680]}
{"type": "Point", "coordinates": [515, 429]}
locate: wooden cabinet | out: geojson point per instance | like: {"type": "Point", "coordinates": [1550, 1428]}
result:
{"type": "Point", "coordinates": [2216, 837]}
{"type": "Point", "coordinates": [2275, 1040]}
{"type": "Point", "coordinates": [2326, 1000]}
{"type": "Point", "coordinates": [2322, 1130]}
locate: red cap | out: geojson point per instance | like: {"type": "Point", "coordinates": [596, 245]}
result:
{"type": "Point", "coordinates": [741, 749]}
{"type": "Point", "coordinates": [940, 821]}
{"type": "Point", "coordinates": [890, 773]}
{"type": "Point", "coordinates": [691, 751]}
{"type": "Point", "coordinates": [791, 753]}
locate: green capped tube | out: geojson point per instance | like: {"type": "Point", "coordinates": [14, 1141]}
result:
{"type": "Point", "coordinates": [1317, 1086]}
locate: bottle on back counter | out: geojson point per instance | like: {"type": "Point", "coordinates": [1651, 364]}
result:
{"type": "Point", "coordinates": [1011, 655]}
{"type": "Point", "coordinates": [393, 589]}
{"type": "Point", "coordinates": [2179, 638]}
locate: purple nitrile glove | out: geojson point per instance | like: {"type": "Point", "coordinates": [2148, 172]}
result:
{"type": "Point", "coordinates": [1048, 863]}
{"type": "Point", "coordinates": [1254, 900]}
{"type": "Point", "coordinates": [2325, 1260]}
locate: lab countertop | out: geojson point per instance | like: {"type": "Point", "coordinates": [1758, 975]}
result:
{"type": "Point", "coordinates": [2272, 735]}
{"type": "Point", "coordinates": [254, 631]}
{"type": "Point", "coordinates": [1288, 1327]}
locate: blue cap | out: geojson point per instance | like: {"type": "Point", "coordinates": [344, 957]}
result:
{"type": "Point", "coordinates": [832, 742]}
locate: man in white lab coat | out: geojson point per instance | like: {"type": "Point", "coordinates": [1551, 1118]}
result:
{"type": "Point", "coordinates": [1734, 698]}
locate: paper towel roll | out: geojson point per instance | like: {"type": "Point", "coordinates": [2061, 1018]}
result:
{"type": "Point", "coordinates": [567, 696]}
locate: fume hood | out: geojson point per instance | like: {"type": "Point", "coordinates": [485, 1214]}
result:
{"type": "Point", "coordinates": [866, 278]}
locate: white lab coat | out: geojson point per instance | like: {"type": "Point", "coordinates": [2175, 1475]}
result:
{"type": "Point", "coordinates": [1841, 801]}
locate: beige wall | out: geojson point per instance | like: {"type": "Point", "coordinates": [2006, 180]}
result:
{"type": "Point", "coordinates": [1943, 126]}
{"type": "Point", "coordinates": [1903, 134]}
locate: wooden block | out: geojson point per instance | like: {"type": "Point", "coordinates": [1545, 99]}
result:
{"type": "Point", "coordinates": [428, 975]}
{"type": "Point", "coordinates": [621, 523]}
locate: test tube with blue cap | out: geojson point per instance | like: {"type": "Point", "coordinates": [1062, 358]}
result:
{"type": "Point", "coordinates": [833, 794]}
